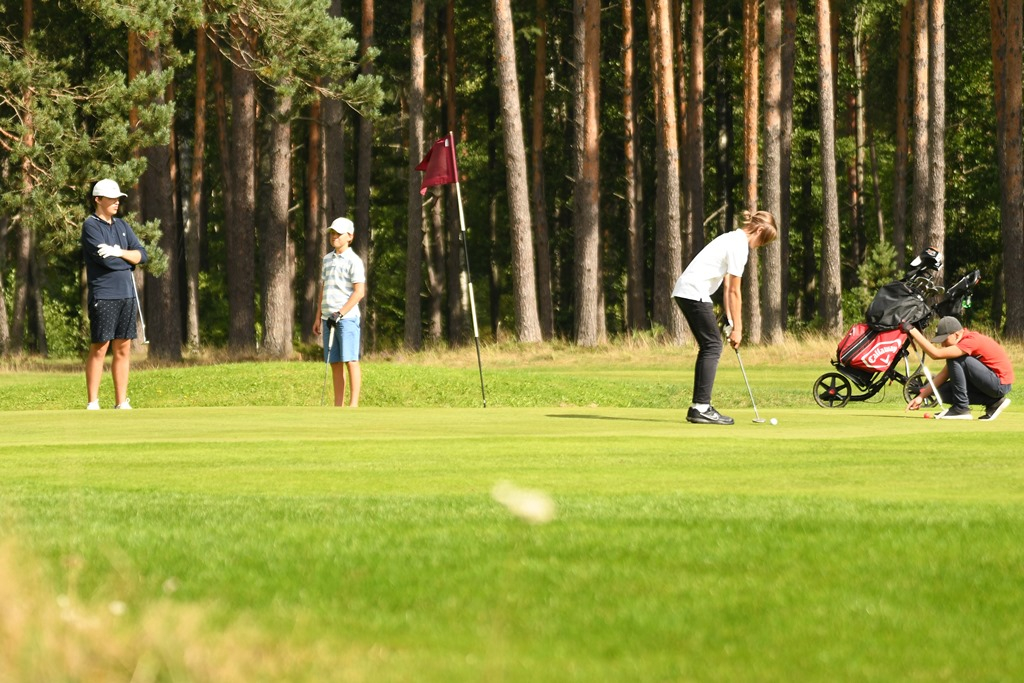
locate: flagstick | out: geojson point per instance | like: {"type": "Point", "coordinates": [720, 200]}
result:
{"type": "Point", "coordinates": [472, 298]}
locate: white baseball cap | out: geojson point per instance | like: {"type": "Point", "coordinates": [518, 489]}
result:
{"type": "Point", "coordinates": [107, 188]}
{"type": "Point", "coordinates": [342, 226]}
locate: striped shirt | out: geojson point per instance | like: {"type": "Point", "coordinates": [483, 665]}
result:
{"type": "Point", "coordinates": [339, 275]}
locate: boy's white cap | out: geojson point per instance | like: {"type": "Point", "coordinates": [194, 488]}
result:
{"type": "Point", "coordinates": [342, 226]}
{"type": "Point", "coordinates": [107, 188]}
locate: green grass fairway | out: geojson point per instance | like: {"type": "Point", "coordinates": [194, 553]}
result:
{"type": "Point", "coordinates": [325, 545]}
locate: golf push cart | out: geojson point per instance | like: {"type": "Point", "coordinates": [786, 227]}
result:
{"type": "Point", "coordinates": [876, 352]}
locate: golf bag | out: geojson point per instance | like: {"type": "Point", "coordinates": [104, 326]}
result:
{"type": "Point", "coordinates": [871, 354]}
{"type": "Point", "coordinates": [868, 350]}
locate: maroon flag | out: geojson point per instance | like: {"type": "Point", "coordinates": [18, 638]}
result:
{"type": "Point", "coordinates": [439, 164]}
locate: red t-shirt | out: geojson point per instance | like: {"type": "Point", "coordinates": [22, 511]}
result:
{"type": "Point", "coordinates": [989, 352]}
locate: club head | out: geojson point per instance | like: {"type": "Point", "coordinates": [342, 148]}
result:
{"type": "Point", "coordinates": [759, 420]}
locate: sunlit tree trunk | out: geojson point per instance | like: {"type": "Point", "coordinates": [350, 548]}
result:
{"type": "Point", "coordinates": [667, 240]}
{"type": "Point", "coordinates": [751, 77]}
{"type": "Point", "coordinates": [831, 287]}
{"type": "Point", "coordinates": [240, 239]}
{"type": "Point", "coordinates": [922, 172]}
{"type": "Point", "coordinates": [278, 300]}
{"type": "Point", "coordinates": [936, 233]}
{"type": "Point", "coordinates": [772, 264]}
{"type": "Point", "coordinates": [586, 192]}
{"type": "Point", "coordinates": [523, 280]}
{"type": "Point", "coordinates": [194, 220]}
{"type": "Point", "coordinates": [900, 163]}
{"type": "Point", "coordinates": [789, 17]}
{"type": "Point", "coordinates": [1007, 45]}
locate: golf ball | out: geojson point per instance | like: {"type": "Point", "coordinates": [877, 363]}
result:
{"type": "Point", "coordinates": [774, 421]}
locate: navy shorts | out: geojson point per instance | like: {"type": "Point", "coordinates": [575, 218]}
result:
{"type": "Point", "coordinates": [111, 319]}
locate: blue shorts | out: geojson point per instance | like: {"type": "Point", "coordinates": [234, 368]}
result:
{"type": "Point", "coordinates": [346, 341]}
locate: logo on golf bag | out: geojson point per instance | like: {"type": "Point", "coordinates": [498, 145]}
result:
{"type": "Point", "coordinates": [865, 349]}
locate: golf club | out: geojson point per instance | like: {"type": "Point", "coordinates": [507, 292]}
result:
{"type": "Point", "coordinates": [757, 418]}
{"type": "Point", "coordinates": [327, 360]}
{"type": "Point", "coordinates": [139, 305]}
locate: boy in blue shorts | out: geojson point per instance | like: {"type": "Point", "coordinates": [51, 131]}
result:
{"type": "Point", "coordinates": [342, 287]}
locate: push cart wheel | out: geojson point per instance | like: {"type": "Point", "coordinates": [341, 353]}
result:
{"type": "Point", "coordinates": [913, 387]}
{"type": "Point", "coordinates": [832, 390]}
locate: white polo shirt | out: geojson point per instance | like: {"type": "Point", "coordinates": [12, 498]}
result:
{"type": "Point", "coordinates": [725, 254]}
{"type": "Point", "coordinates": [340, 273]}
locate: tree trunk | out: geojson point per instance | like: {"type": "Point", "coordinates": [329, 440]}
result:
{"type": "Point", "coordinates": [831, 287]}
{"type": "Point", "coordinates": [695, 129]}
{"type": "Point", "coordinates": [1007, 23]}
{"type": "Point", "coordinates": [772, 302]}
{"type": "Point", "coordinates": [860, 141]}
{"type": "Point", "coordinates": [239, 239]}
{"type": "Point", "coordinates": [667, 239]}
{"type": "Point", "coordinates": [5, 329]}
{"type": "Point", "coordinates": [523, 282]}
{"type": "Point", "coordinates": [316, 239]}
{"type": "Point", "coordinates": [332, 114]}
{"type": "Point", "coordinates": [679, 40]}
{"type": "Point", "coordinates": [922, 174]}
{"type": "Point", "coordinates": [636, 313]}
{"type": "Point", "coordinates": [751, 77]}
{"type": "Point", "coordinates": [457, 301]}
{"type": "Point", "coordinates": [434, 247]}
{"type": "Point", "coordinates": [726, 210]}
{"type": "Point", "coordinates": [899, 200]}
{"type": "Point", "coordinates": [545, 302]}
{"type": "Point", "coordinates": [363, 241]}
{"type": "Point", "coordinates": [789, 18]}
{"type": "Point", "coordinates": [37, 287]}
{"type": "Point", "coordinates": [194, 223]}
{"type": "Point", "coordinates": [414, 225]}
{"type": "Point", "coordinates": [586, 194]}
{"type": "Point", "coordinates": [156, 190]}
{"type": "Point", "coordinates": [936, 234]}
{"type": "Point", "coordinates": [278, 295]}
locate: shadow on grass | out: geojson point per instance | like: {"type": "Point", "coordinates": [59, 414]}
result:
{"type": "Point", "coordinates": [609, 417]}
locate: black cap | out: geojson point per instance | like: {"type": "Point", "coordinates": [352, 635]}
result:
{"type": "Point", "coordinates": [947, 326]}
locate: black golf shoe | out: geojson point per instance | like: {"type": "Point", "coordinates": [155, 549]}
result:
{"type": "Point", "coordinates": [708, 417]}
{"type": "Point", "coordinates": [992, 411]}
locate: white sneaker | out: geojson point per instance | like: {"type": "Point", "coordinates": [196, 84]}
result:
{"type": "Point", "coordinates": [123, 406]}
{"type": "Point", "coordinates": [92, 405]}
{"type": "Point", "coordinates": [955, 413]}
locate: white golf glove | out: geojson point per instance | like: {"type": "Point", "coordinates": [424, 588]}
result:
{"type": "Point", "coordinates": [108, 251]}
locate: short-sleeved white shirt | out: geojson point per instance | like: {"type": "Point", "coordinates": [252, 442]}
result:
{"type": "Point", "coordinates": [339, 274]}
{"type": "Point", "coordinates": [725, 254]}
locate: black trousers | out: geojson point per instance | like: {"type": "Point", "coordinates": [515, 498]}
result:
{"type": "Point", "coordinates": [700, 316]}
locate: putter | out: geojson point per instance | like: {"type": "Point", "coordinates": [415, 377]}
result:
{"type": "Point", "coordinates": [139, 305]}
{"type": "Point", "coordinates": [327, 361]}
{"type": "Point", "coordinates": [757, 418]}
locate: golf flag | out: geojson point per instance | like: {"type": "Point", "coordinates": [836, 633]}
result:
{"type": "Point", "coordinates": [439, 164]}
